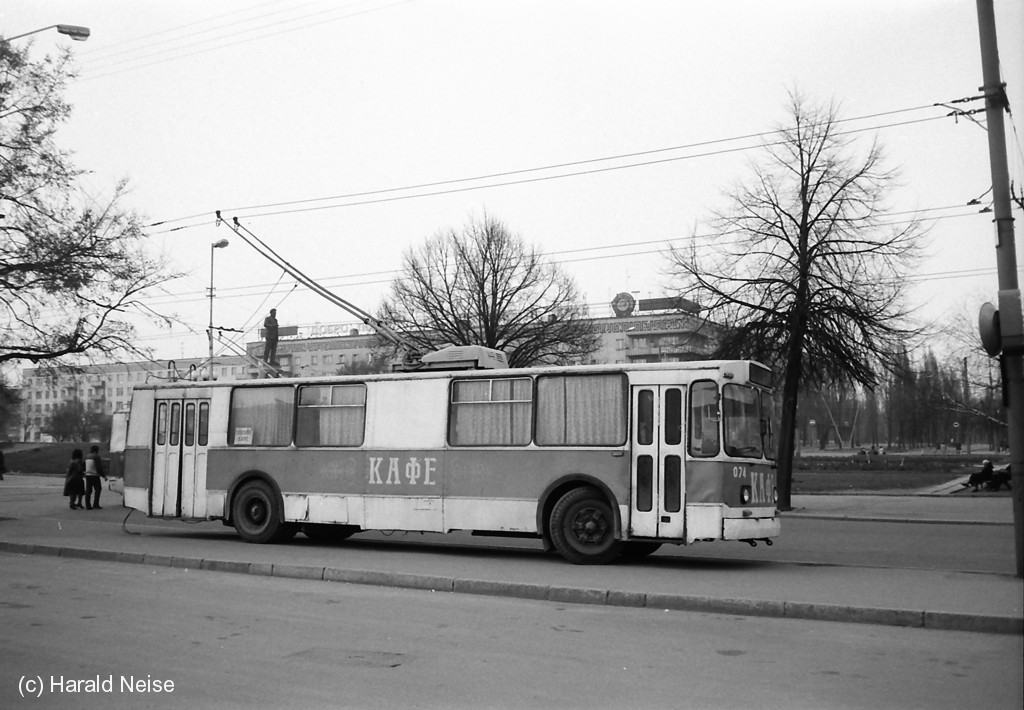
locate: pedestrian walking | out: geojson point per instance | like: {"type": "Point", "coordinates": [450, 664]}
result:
{"type": "Point", "coordinates": [3, 467]}
{"type": "Point", "coordinates": [93, 473]}
{"type": "Point", "coordinates": [74, 480]}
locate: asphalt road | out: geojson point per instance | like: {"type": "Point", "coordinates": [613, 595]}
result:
{"type": "Point", "coordinates": [932, 562]}
{"type": "Point", "coordinates": [881, 543]}
{"type": "Point", "coordinates": [217, 640]}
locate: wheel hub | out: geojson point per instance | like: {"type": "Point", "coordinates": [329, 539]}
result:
{"type": "Point", "coordinates": [590, 527]}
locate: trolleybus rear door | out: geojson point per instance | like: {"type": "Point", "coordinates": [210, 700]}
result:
{"type": "Point", "coordinates": [658, 485]}
{"type": "Point", "coordinates": [178, 487]}
{"type": "Point", "coordinates": [195, 436]}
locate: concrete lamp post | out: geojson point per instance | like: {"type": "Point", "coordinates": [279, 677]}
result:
{"type": "Point", "coordinates": [75, 32]}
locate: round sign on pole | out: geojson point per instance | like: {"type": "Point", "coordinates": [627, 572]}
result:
{"type": "Point", "coordinates": [623, 305]}
{"type": "Point", "coordinates": [988, 327]}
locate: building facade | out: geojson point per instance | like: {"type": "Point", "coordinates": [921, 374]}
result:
{"type": "Point", "coordinates": [648, 330]}
{"type": "Point", "coordinates": [652, 330]}
{"type": "Point", "coordinates": [102, 389]}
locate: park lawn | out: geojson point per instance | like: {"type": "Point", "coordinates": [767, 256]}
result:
{"type": "Point", "coordinates": [807, 482]}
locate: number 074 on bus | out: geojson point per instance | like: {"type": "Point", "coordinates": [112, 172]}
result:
{"type": "Point", "coordinates": [598, 461]}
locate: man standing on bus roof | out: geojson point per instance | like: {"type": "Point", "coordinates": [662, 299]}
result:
{"type": "Point", "coordinates": [270, 334]}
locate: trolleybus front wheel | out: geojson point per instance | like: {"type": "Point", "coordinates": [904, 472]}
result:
{"type": "Point", "coordinates": [256, 514]}
{"type": "Point", "coordinates": [583, 527]}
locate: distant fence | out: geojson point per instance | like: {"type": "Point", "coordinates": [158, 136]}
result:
{"type": "Point", "coordinates": [894, 462]}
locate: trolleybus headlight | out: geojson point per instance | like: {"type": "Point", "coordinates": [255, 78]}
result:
{"type": "Point", "coordinates": [745, 495]}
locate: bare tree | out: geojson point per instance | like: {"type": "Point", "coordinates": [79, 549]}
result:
{"type": "Point", "coordinates": [69, 274]}
{"type": "Point", "coordinates": [64, 423]}
{"type": "Point", "coordinates": [10, 403]}
{"type": "Point", "coordinates": [805, 269]}
{"type": "Point", "coordinates": [484, 286]}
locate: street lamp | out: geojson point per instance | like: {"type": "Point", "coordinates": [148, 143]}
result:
{"type": "Point", "coordinates": [75, 32]}
{"type": "Point", "coordinates": [216, 245]}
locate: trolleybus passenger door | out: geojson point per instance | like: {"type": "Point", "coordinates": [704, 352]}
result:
{"type": "Point", "coordinates": [658, 484]}
{"type": "Point", "coordinates": [178, 487]}
{"type": "Point", "coordinates": [195, 436]}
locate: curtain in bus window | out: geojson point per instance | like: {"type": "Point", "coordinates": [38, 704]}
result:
{"type": "Point", "coordinates": [583, 410]}
{"type": "Point", "coordinates": [742, 420]}
{"type": "Point", "coordinates": [261, 416]}
{"type": "Point", "coordinates": [331, 415]}
{"type": "Point", "coordinates": [704, 416]}
{"type": "Point", "coordinates": [491, 412]}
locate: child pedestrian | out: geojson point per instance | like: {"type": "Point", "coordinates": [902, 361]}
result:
{"type": "Point", "coordinates": [74, 480]}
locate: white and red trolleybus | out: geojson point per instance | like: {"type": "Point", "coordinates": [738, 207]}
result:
{"type": "Point", "coordinates": [597, 460]}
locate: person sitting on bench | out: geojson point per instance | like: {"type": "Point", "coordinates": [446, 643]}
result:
{"type": "Point", "coordinates": [998, 480]}
{"type": "Point", "coordinates": [982, 477]}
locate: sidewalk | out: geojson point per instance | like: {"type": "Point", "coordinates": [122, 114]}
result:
{"type": "Point", "coordinates": [931, 599]}
{"type": "Point", "coordinates": [965, 508]}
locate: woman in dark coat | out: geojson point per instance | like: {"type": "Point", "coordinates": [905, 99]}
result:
{"type": "Point", "coordinates": [74, 479]}
{"type": "Point", "coordinates": [982, 478]}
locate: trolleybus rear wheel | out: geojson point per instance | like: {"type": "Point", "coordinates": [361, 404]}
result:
{"type": "Point", "coordinates": [256, 514]}
{"type": "Point", "coordinates": [583, 527]}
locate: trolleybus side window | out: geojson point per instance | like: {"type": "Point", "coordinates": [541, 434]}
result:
{"type": "Point", "coordinates": [673, 416]}
{"type": "Point", "coordinates": [331, 415]}
{"type": "Point", "coordinates": [204, 423]}
{"type": "Point", "coordinates": [175, 424]}
{"type": "Point", "coordinates": [161, 424]}
{"type": "Point", "coordinates": [767, 420]}
{"type": "Point", "coordinates": [491, 412]}
{"type": "Point", "coordinates": [581, 410]}
{"type": "Point", "coordinates": [261, 416]}
{"type": "Point", "coordinates": [190, 424]}
{"type": "Point", "coordinates": [704, 417]}
{"type": "Point", "coordinates": [645, 420]}
{"type": "Point", "coordinates": [742, 408]}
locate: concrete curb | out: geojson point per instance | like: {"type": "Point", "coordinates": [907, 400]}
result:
{"type": "Point", "coordinates": [922, 619]}
{"type": "Point", "coordinates": [876, 519]}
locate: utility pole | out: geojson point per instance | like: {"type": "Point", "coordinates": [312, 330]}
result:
{"type": "Point", "coordinates": [1002, 330]}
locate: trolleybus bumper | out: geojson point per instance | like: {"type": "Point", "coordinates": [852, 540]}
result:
{"type": "Point", "coordinates": [750, 528]}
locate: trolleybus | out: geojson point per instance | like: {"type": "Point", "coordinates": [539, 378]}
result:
{"type": "Point", "coordinates": [598, 461]}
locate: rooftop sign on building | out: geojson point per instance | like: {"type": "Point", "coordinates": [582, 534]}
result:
{"type": "Point", "coordinates": [624, 304]}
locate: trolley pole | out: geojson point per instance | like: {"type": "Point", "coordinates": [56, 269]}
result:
{"type": "Point", "coordinates": [1010, 324]}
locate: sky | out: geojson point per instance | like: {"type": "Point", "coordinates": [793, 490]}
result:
{"type": "Point", "coordinates": [345, 133]}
